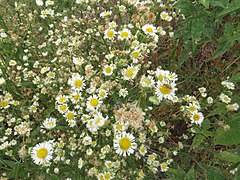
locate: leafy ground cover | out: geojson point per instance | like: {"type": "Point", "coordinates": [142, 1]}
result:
{"type": "Point", "coordinates": [128, 89]}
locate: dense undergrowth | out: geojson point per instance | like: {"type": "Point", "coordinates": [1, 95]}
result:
{"type": "Point", "coordinates": [128, 89]}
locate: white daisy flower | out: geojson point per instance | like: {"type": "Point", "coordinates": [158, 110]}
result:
{"type": "Point", "coordinates": [224, 98]}
{"type": "Point", "coordinates": [232, 107]}
{"type": "Point", "coordinates": [164, 15]}
{"type": "Point", "coordinates": [12, 63]}
{"type": "Point", "coordinates": [197, 118]}
{"type": "Point", "coordinates": [42, 153]}
{"type": "Point", "coordinates": [93, 102]}
{"type": "Point", "coordinates": [77, 82]}
{"type": "Point", "coordinates": [108, 69]}
{"type": "Point", "coordinates": [143, 150]}
{"type": "Point", "coordinates": [164, 167]}
{"type": "Point", "coordinates": [130, 72]}
{"type": "Point", "coordinates": [78, 61]}
{"type": "Point", "coordinates": [164, 75]}
{"type": "Point", "coordinates": [149, 29]}
{"type": "Point", "coordinates": [124, 144]}
{"type": "Point", "coordinates": [165, 90]}
{"type": "Point", "coordinates": [102, 93]}
{"type": "Point", "coordinates": [193, 107]}
{"type": "Point", "coordinates": [135, 54]}
{"type": "Point", "coordinates": [49, 123]}
{"type": "Point", "coordinates": [123, 92]}
{"type": "Point", "coordinates": [147, 81]}
{"type": "Point", "coordinates": [62, 108]}
{"type": "Point", "coordinates": [109, 34]}
{"type": "Point", "coordinates": [202, 89]}
{"type": "Point", "coordinates": [76, 97]}
{"type": "Point", "coordinates": [61, 99]}
{"type": "Point", "coordinates": [70, 115]}
{"type": "Point", "coordinates": [228, 85]}
{"type": "Point", "coordinates": [39, 2]}
{"type": "Point", "coordinates": [125, 34]}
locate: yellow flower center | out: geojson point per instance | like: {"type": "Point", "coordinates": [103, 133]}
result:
{"type": "Point", "coordinates": [130, 72]}
{"type": "Point", "coordinates": [70, 116]}
{"type": "Point", "coordinates": [135, 54]}
{"type": "Point", "coordinates": [94, 102]}
{"type": "Point", "coordinates": [165, 89]}
{"type": "Point", "coordinates": [4, 103]}
{"type": "Point", "coordinates": [62, 99]}
{"type": "Point", "coordinates": [124, 34]}
{"type": "Point", "coordinates": [76, 97]}
{"type": "Point", "coordinates": [78, 83]}
{"type": "Point", "coordinates": [107, 176]}
{"type": "Point", "coordinates": [42, 153]}
{"type": "Point", "coordinates": [110, 33]}
{"type": "Point", "coordinates": [164, 166]}
{"type": "Point", "coordinates": [196, 117]}
{"type": "Point", "coordinates": [164, 16]}
{"type": "Point", "coordinates": [125, 143]}
{"type": "Point", "coordinates": [98, 120]}
{"type": "Point", "coordinates": [108, 70]}
{"type": "Point", "coordinates": [149, 30]}
{"type": "Point", "coordinates": [192, 108]}
{"type": "Point", "coordinates": [63, 108]}
{"type": "Point", "coordinates": [147, 81]}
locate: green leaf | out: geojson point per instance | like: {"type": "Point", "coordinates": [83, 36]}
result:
{"type": "Point", "coordinates": [190, 174]}
{"type": "Point", "coordinates": [212, 173]}
{"type": "Point", "coordinates": [219, 110]}
{"type": "Point", "coordinates": [226, 45]}
{"type": "Point", "coordinates": [229, 137]}
{"type": "Point", "coordinates": [205, 3]}
{"type": "Point", "coordinates": [219, 3]}
{"type": "Point", "coordinates": [198, 139]}
{"type": "Point", "coordinates": [228, 156]}
{"type": "Point", "coordinates": [235, 78]}
{"type": "Point", "coordinates": [233, 6]}
{"type": "Point", "coordinates": [28, 84]}
{"type": "Point", "coordinates": [237, 176]}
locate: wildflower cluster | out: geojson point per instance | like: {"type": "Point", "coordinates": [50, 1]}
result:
{"type": "Point", "coordinates": [82, 90]}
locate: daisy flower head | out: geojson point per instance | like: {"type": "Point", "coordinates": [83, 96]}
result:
{"type": "Point", "coordinates": [164, 167]}
{"type": "Point", "coordinates": [70, 115]}
{"type": "Point", "coordinates": [164, 75]}
{"type": "Point", "coordinates": [49, 123]}
{"type": "Point", "coordinates": [232, 107]}
{"type": "Point", "coordinates": [147, 82]}
{"type": "Point", "coordinates": [61, 99]}
{"type": "Point", "coordinates": [225, 98]}
{"type": "Point", "coordinates": [125, 34]}
{"type": "Point", "coordinates": [228, 85]}
{"type": "Point", "coordinates": [124, 144]}
{"type": "Point", "coordinates": [76, 96]}
{"type": "Point", "coordinates": [123, 92]}
{"type": "Point", "coordinates": [135, 54]}
{"type": "Point", "coordinates": [109, 34]}
{"type": "Point", "coordinates": [193, 107]}
{"type": "Point", "coordinates": [197, 118]}
{"type": "Point", "coordinates": [149, 29]}
{"type": "Point", "coordinates": [42, 153]}
{"type": "Point", "coordinates": [108, 69]}
{"type": "Point", "coordinates": [78, 61]}
{"type": "Point", "coordinates": [165, 90]}
{"type": "Point", "coordinates": [62, 108]}
{"type": "Point", "coordinates": [76, 82]}
{"type": "Point", "coordinates": [93, 102]}
{"type": "Point", "coordinates": [164, 15]}
{"type": "Point", "coordinates": [130, 72]}
{"type": "Point", "coordinates": [102, 93]}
